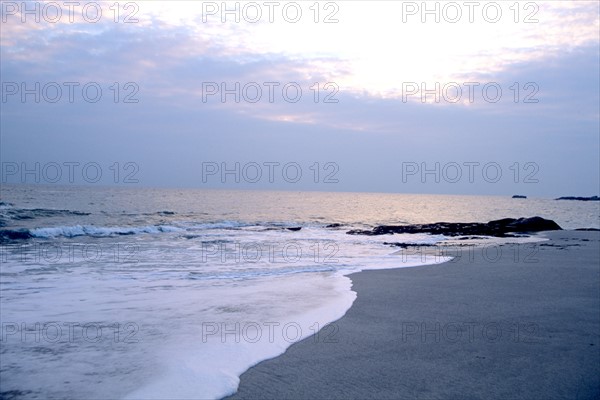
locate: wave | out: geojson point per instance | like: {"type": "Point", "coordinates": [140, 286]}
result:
{"type": "Point", "coordinates": [126, 214]}
{"type": "Point", "coordinates": [104, 231]}
{"type": "Point", "coordinates": [258, 273]}
{"type": "Point", "coordinates": [26, 213]}
{"type": "Point", "coordinates": [96, 231]}
{"type": "Point", "coordinates": [14, 234]}
{"type": "Point", "coordinates": [6, 205]}
{"type": "Point", "coordinates": [108, 231]}
{"type": "Point", "coordinates": [9, 212]}
{"type": "Point", "coordinates": [82, 230]}
{"type": "Point", "coordinates": [218, 225]}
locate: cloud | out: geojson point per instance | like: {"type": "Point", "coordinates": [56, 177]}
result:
{"type": "Point", "coordinates": [370, 55]}
{"type": "Point", "coordinates": [368, 50]}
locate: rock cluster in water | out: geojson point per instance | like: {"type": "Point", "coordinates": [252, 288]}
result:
{"type": "Point", "coordinates": [500, 228]}
{"type": "Point", "coordinates": [593, 198]}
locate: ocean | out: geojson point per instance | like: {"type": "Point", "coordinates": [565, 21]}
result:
{"type": "Point", "coordinates": [117, 292]}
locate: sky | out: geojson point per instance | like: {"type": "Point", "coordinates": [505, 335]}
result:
{"type": "Point", "coordinates": [482, 98]}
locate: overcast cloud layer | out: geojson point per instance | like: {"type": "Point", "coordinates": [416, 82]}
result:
{"type": "Point", "coordinates": [518, 97]}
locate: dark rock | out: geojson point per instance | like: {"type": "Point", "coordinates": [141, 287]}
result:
{"type": "Point", "coordinates": [533, 224]}
{"type": "Point", "coordinates": [588, 229]}
{"type": "Point", "coordinates": [500, 228]}
{"type": "Point", "coordinates": [407, 245]}
{"type": "Point", "coordinates": [593, 198]}
{"type": "Point", "coordinates": [295, 229]}
{"type": "Point", "coordinates": [336, 225]}
{"type": "Point", "coordinates": [519, 196]}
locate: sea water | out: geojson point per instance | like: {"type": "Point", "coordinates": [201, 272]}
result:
{"type": "Point", "coordinates": [163, 293]}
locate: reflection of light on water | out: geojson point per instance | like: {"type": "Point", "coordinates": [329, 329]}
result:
{"type": "Point", "coordinates": [165, 282]}
{"type": "Point", "coordinates": [360, 210]}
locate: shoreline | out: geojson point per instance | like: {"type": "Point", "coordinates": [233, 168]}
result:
{"type": "Point", "coordinates": [525, 325]}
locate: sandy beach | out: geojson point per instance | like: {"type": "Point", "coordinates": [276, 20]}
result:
{"type": "Point", "coordinates": [521, 325]}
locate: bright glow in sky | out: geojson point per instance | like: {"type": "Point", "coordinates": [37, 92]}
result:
{"type": "Point", "coordinates": [369, 48]}
{"type": "Point", "coordinates": [377, 54]}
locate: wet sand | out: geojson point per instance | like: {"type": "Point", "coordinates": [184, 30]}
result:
{"type": "Point", "coordinates": [524, 324]}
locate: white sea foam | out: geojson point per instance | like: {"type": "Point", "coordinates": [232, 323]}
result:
{"type": "Point", "coordinates": [197, 319]}
{"type": "Point", "coordinates": [208, 364]}
{"type": "Point", "coordinates": [182, 280]}
{"type": "Point", "coordinates": [98, 231]}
